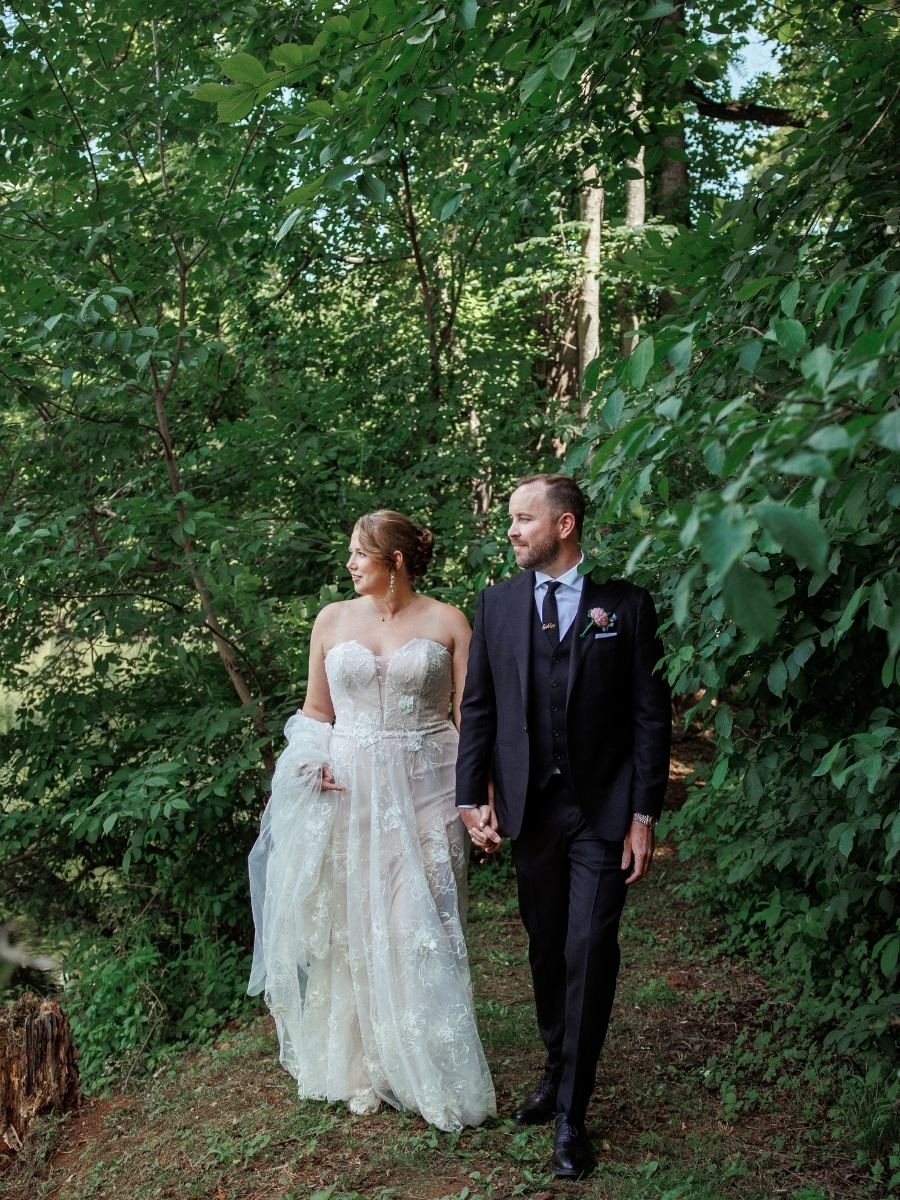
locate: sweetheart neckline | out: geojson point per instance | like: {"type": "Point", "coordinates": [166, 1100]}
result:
{"type": "Point", "coordinates": [390, 657]}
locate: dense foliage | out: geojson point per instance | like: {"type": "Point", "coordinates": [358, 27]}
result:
{"type": "Point", "coordinates": [226, 339]}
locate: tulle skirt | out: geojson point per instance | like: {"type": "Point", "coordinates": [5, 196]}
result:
{"type": "Point", "coordinates": [359, 906]}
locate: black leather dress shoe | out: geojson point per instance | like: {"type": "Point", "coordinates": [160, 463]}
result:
{"type": "Point", "coordinates": [572, 1154]}
{"type": "Point", "coordinates": [539, 1108]}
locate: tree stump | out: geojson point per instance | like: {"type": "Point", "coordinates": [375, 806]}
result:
{"type": "Point", "coordinates": [37, 1066]}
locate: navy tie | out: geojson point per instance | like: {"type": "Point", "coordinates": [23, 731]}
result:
{"type": "Point", "coordinates": [550, 613]}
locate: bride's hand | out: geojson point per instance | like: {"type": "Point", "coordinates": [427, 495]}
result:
{"type": "Point", "coordinates": [322, 775]}
{"type": "Point", "coordinates": [482, 825]}
{"type": "Point", "coordinates": [328, 783]}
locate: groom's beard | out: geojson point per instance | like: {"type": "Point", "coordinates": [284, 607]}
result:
{"type": "Point", "coordinates": [538, 554]}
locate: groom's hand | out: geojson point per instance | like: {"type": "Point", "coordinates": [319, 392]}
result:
{"type": "Point", "coordinates": [482, 825]}
{"type": "Point", "coordinates": [637, 852]}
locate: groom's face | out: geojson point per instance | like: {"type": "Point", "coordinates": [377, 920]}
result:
{"type": "Point", "coordinates": [534, 530]}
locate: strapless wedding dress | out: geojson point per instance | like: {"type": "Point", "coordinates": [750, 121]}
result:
{"type": "Point", "coordinates": [359, 897]}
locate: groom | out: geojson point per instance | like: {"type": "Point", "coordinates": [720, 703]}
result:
{"type": "Point", "coordinates": [566, 727]}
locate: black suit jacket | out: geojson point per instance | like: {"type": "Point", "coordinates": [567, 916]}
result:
{"type": "Point", "coordinates": [618, 715]}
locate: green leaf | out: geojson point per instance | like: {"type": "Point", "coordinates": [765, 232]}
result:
{"type": "Point", "coordinates": [749, 602]}
{"type": "Point", "coordinates": [791, 335]}
{"type": "Point", "coordinates": [796, 532]}
{"type": "Point", "coordinates": [680, 355]}
{"type": "Point", "coordinates": [451, 206]}
{"type": "Point", "coordinates": [755, 286]}
{"type": "Point", "coordinates": [816, 366]}
{"type": "Point", "coordinates": [614, 407]}
{"type": "Point", "coordinates": [683, 593]}
{"type": "Point", "coordinates": [320, 108]}
{"type": "Point", "coordinates": [531, 83]}
{"type": "Point", "coordinates": [287, 225]}
{"type": "Point", "coordinates": [372, 187]}
{"type": "Point", "coordinates": [213, 92]}
{"type": "Point", "coordinates": [288, 54]}
{"type": "Point", "coordinates": [238, 106]}
{"type": "Point", "coordinates": [719, 774]}
{"type": "Point", "coordinates": [338, 175]}
{"type": "Point", "coordinates": [776, 680]}
{"type": "Point", "coordinates": [244, 68]}
{"type": "Point", "coordinates": [640, 362]}
{"type": "Point", "coordinates": [661, 8]}
{"type": "Point", "coordinates": [592, 373]}
{"type": "Point", "coordinates": [789, 298]}
{"type": "Point", "coordinates": [749, 356]}
{"type": "Point", "coordinates": [892, 951]}
{"type": "Point", "coordinates": [753, 788]}
{"type": "Point", "coordinates": [856, 600]}
{"type": "Point", "coordinates": [725, 538]}
{"type": "Point", "coordinates": [561, 61]}
{"type": "Point", "coordinates": [306, 192]}
{"type": "Point", "coordinates": [887, 431]}
{"type": "Point", "coordinates": [468, 11]}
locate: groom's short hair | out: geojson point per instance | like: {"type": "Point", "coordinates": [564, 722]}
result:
{"type": "Point", "coordinates": [563, 495]}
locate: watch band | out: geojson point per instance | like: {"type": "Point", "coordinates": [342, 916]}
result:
{"type": "Point", "coordinates": [643, 819]}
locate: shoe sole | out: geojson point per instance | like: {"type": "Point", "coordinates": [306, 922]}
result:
{"type": "Point", "coordinates": [573, 1174]}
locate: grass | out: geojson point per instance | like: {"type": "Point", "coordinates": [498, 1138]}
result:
{"type": "Point", "coordinates": [688, 1104]}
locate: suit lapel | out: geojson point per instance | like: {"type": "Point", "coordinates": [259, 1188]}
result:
{"type": "Point", "coordinates": [521, 604]}
{"type": "Point", "coordinates": [593, 595]}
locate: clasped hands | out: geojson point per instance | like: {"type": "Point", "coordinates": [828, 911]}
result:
{"type": "Point", "coordinates": [637, 849]}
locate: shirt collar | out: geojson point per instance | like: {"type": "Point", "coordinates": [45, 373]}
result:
{"type": "Point", "coordinates": [570, 579]}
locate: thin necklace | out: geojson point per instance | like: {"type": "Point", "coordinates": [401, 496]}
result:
{"type": "Point", "coordinates": [400, 609]}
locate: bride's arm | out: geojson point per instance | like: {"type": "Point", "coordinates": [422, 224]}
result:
{"type": "Point", "coordinates": [462, 635]}
{"type": "Point", "coordinates": [318, 703]}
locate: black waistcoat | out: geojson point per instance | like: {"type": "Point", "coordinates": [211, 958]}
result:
{"type": "Point", "coordinates": [547, 704]}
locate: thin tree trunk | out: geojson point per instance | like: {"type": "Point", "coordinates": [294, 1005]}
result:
{"type": "Point", "coordinates": [635, 216]}
{"type": "Point", "coordinates": [589, 299]}
{"type": "Point", "coordinates": [674, 184]}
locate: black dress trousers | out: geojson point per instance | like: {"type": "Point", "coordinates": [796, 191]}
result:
{"type": "Point", "coordinates": [571, 895]}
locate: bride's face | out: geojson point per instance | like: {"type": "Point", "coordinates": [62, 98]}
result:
{"type": "Point", "coordinates": [370, 576]}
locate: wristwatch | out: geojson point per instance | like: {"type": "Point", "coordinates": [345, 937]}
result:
{"type": "Point", "coordinates": [643, 819]}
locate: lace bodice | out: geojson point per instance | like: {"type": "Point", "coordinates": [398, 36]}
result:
{"type": "Point", "coordinates": [406, 693]}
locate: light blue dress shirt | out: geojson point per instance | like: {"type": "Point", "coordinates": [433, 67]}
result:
{"type": "Point", "coordinates": [568, 595]}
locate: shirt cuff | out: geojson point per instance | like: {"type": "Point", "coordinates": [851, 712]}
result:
{"type": "Point", "coordinates": [467, 806]}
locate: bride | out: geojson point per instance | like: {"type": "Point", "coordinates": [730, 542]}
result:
{"type": "Point", "coordinates": [358, 879]}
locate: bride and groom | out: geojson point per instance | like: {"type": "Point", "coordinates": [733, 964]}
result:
{"type": "Point", "coordinates": [358, 879]}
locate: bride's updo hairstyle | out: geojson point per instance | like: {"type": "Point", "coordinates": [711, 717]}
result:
{"type": "Point", "coordinates": [381, 534]}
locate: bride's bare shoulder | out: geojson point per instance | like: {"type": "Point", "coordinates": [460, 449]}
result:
{"type": "Point", "coordinates": [452, 618]}
{"type": "Point", "coordinates": [331, 615]}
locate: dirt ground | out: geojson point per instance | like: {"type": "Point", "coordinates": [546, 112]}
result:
{"type": "Point", "coordinates": [682, 1108]}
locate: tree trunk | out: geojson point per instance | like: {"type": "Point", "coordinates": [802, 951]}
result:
{"type": "Point", "coordinates": [589, 300]}
{"type": "Point", "coordinates": [674, 186]}
{"type": "Point", "coordinates": [635, 215]}
{"type": "Point", "coordinates": [37, 1066]}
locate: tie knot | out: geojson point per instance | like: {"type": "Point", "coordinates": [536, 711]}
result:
{"type": "Point", "coordinates": [553, 586]}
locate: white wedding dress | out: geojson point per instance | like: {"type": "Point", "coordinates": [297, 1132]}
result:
{"type": "Point", "coordinates": [359, 896]}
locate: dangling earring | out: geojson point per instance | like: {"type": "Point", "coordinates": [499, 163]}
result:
{"type": "Point", "coordinates": [390, 591]}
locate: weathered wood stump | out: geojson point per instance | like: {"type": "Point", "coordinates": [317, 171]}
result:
{"type": "Point", "coordinates": [37, 1066]}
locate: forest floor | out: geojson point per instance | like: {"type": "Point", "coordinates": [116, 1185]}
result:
{"type": "Point", "coordinates": [682, 1109]}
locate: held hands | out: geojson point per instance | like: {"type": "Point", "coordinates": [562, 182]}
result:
{"type": "Point", "coordinates": [637, 852]}
{"type": "Point", "coordinates": [482, 824]}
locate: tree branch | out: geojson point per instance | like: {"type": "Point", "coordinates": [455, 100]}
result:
{"type": "Point", "coordinates": [736, 110]}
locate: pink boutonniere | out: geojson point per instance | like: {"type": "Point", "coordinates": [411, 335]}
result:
{"type": "Point", "coordinates": [599, 619]}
